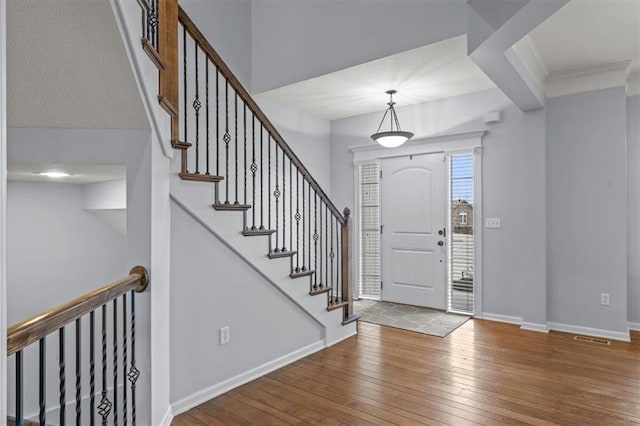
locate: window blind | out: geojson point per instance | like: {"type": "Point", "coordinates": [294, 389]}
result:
{"type": "Point", "coordinates": [369, 217]}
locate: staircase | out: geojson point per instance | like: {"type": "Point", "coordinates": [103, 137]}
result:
{"type": "Point", "coordinates": [265, 204]}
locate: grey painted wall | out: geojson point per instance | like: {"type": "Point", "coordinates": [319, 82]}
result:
{"type": "Point", "coordinates": [308, 136]}
{"type": "Point", "coordinates": [587, 217]}
{"type": "Point", "coordinates": [507, 188]}
{"type": "Point", "coordinates": [227, 26]}
{"type": "Point", "coordinates": [211, 288]}
{"type": "Point", "coordinates": [633, 223]}
{"type": "Point", "coordinates": [291, 41]}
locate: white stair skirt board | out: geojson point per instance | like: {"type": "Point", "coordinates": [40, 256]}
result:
{"type": "Point", "coordinates": [635, 326]}
{"type": "Point", "coordinates": [211, 392]}
{"type": "Point", "coordinates": [532, 326]}
{"type": "Point", "coordinates": [501, 318]}
{"type": "Point", "coordinates": [588, 331]}
{"type": "Point", "coordinates": [167, 418]}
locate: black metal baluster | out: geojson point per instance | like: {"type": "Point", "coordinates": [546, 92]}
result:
{"type": "Point", "coordinates": [78, 372]}
{"type": "Point", "coordinates": [133, 371]}
{"type": "Point", "coordinates": [217, 127]}
{"type": "Point", "coordinates": [304, 261]}
{"type": "Point", "coordinates": [244, 151]}
{"type": "Point", "coordinates": [276, 191]}
{"type": "Point", "coordinates": [62, 378]}
{"type": "Point", "coordinates": [236, 147]}
{"type": "Point", "coordinates": [297, 218]}
{"type": "Point", "coordinates": [42, 382]}
{"type": "Point", "coordinates": [261, 184]}
{"type": "Point", "coordinates": [124, 358]}
{"type": "Point", "coordinates": [184, 67]}
{"type": "Point", "coordinates": [143, 21]}
{"type": "Point", "coordinates": [115, 361]}
{"type": "Point", "coordinates": [327, 274]}
{"type": "Point", "coordinates": [156, 32]}
{"type": "Point", "coordinates": [206, 70]}
{"type": "Point", "coordinates": [332, 256]}
{"type": "Point", "coordinates": [92, 369]}
{"type": "Point", "coordinates": [322, 242]}
{"type": "Point", "coordinates": [284, 204]}
{"type": "Point", "coordinates": [254, 169]}
{"type": "Point", "coordinates": [105, 405]}
{"type": "Point", "coordinates": [339, 251]}
{"type": "Point", "coordinates": [291, 204]}
{"type": "Point", "coordinates": [196, 107]}
{"type": "Point", "coordinates": [315, 238]}
{"type": "Point", "coordinates": [19, 390]}
{"type": "Point", "coordinates": [227, 140]}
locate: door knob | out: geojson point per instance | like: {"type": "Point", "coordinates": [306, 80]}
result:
{"type": "Point", "coordinates": [440, 243]}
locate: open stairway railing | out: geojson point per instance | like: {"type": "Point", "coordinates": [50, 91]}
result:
{"type": "Point", "coordinates": [112, 407]}
{"type": "Point", "coordinates": [225, 138]}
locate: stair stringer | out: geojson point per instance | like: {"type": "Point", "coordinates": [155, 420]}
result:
{"type": "Point", "coordinates": [196, 198]}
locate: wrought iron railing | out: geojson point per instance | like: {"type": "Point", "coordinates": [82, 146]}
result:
{"type": "Point", "coordinates": [116, 366]}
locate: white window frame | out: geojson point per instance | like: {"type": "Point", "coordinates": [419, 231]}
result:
{"type": "Point", "coordinates": [469, 143]}
{"type": "Point", "coordinates": [461, 216]}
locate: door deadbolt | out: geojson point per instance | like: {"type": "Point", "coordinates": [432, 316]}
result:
{"type": "Point", "coordinates": [440, 243]}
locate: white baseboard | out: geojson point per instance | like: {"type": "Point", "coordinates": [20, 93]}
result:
{"type": "Point", "coordinates": [336, 341]}
{"type": "Point", "coordinates": [588, 331]}
{"type": "Point", "coordinates": [211, 392]}
{"type": "Point", "coordinates": [635, 326]}
{"type": "Point", "coordinates": [167, 418]}
{"type": "Point", "coordinates": [501, 318]}
{"type": "Point", "coordinates": [532, 326]}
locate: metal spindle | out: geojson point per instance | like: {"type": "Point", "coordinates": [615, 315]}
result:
{"type": "Point", "coordinates": [184, 67]}
{"type": "Point", "coordinates": [297, 217]}
{"type": "Point", "coordinates": [105, 405]}
{"type": "Point", "coordinates": [284, 205]}
{"type": "Point", "coordinates": [196, 107]}
{"type": "Point", "coordinates": [276, 191]}
{"type": "Point", "coordinates": [338, 280]}
{"type": "Point", "coordinates": [236, 146]}
{"type": "Point", "coordinates": [92, 369]}
{"type": "Point", "coordinates": [244, 150]}
{"type": "Point", "coordinates": [78, 372]}
{"type": "Point", "coordinates": [217, 127]}
{"type": "Point", "coordinates": [291, 203]}
{"type": "Point", "coordinates": [133, 371]}
{"type": "Point", "coordinates": [115, 361]}
{"type": "Point", "coordinates": [254, 169]}
{"type": "Point", "coordinates": [206, 69]}
{"type": "Point", "coordinates": [124, 357]}
{"type": "Point", "coordinates": [322, 242]}
{"type": "Point", "coordinates": [227, 140]}
{"type": "Point", "coordinates": [327, 276]}
{"type": "Point", "coordinates": [304, 262]}
{"type": "Point", "coordinates": [19, 390]}
{"type": "Point", "coordinates": [315, 238]}
{"type": "Point", "coordinates": [309, 224]}
{"type": "Point", "coordinates": [42, 382]}
{"type": "Point", "coordinates": [261, 184]}
{"type": "Point", "coordinates": [62, 377]}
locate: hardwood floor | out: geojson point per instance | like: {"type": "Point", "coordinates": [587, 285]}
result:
{"type": "Point", "coordinates": [483, 373]}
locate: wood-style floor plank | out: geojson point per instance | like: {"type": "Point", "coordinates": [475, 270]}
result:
{"type": "Point", "coordinates": [483, 373]}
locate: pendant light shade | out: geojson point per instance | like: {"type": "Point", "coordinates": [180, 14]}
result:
{"type": "Point", "coordinates": [394, 137]}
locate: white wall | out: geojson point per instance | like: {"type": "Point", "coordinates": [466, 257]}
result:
{"type": "Point", "coordinates": [308, 136]}
{"type": "Point", "coordinates": [587, 214]}
{"type": "Point", "coordinates": [633, 223]}
{"type": "Point", "coordinates": [212, 287]}
{"type": "Point", "coordinates": [505, 186]}
{"type": "Point", "coordinates": [292, 42]}
{"type": "Point", "coordinates": [3, 210]}
{"type": "Point", "coordinates": [227, 26]}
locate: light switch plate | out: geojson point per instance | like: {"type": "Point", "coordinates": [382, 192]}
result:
{"type": "Point", "coordinates": [492, 222]}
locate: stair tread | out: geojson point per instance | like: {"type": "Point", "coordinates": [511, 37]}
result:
{"type": "Point", "coordinates": [231, 206]}
{"type": "Point", "coordinates": [338, 305]}
{"type": "Point", "coordinates": [279, 254]}
{"type": "Point", "coordinates": [301, 273]}
{"type": "Point", "coordinates": [257, 232]}
{"type": "Point", "coordinates": [319, 290]}
{"type": "Point", "coordinates": [351, 319]}
{"type": "Point", "coordinates": [178, 144]}
{"type": "Point", "coordinates": [200, 177]}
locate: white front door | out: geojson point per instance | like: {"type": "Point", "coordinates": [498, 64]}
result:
{"type": "Point", "coordinates": [413, 240]}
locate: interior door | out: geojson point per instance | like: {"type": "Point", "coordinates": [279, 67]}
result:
{"type": "Point", "coordinates": [413, 240]}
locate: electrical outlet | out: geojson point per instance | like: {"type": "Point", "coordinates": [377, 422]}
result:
{"type": "Point", "coordinates": [492, 222]}
{"type": "Point", "coordinates": [605, 299]}
{"type": "Point", "coordinates": [224, 335]}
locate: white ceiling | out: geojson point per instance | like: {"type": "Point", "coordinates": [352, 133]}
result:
{"type": "Point", "coordinates": [67, 67]}
{"type": "Point", "coordinates": [435, 71]}
{"type": "Point", "coordinates": [80, 173]}
{"type": "Point", "coordinates": [588, 34]}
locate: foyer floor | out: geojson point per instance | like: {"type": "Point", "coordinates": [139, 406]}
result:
{"type": "Point", "coordinates": [483, 373]}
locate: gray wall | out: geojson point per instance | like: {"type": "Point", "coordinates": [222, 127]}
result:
{"type": "Point", "coordinates": [291, 41]}
{"type": "Point", "coordinates": [211, 287]}
{"type": "Point", "coordinates": [633, 231]}
{"type": "Point", "coordinates": [508, 186]}
{"type": "Point", "coordinates": [587, 216]}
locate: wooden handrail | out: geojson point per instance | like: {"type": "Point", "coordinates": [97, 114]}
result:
{"type": "Point", "coordinates": [253, 106]}
{"type": "Point", "coordinates": [31, 330]}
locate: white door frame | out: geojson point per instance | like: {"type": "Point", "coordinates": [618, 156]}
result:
{"type": "Point", "coordinates": [449, 144]}
{"type": "Point", "coordinates": [3, 211]}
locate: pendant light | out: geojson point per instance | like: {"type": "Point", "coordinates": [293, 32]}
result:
{"type": "Point", "coordinates": [393, 137]}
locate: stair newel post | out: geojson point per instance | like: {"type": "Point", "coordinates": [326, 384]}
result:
{"type": "Point", "coordinates": [347, 293]}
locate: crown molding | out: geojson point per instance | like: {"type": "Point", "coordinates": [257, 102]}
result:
{"type": "Point", "coordinates": [587, 79]}
{"type": "Point", "coordinates": [529, 55]}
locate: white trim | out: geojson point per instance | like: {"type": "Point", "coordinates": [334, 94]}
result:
{"type": "Point", "coordinates": [3, 211]}
{"type": "Point", "coordinates": [635, 326]}
{"type": "Point", "coordinates": [633, 84]}
{"type": "Point", "coordinates": [532, 326]}
{"type": "Point", "coordinates": [438, 143]}
{"type": "Point", "coordinates": [588, 331]}
{"type": "Point", "coordinates": [211, 392]}
{"type": "Point", "coordinates": [478, 229]}
{"type": "Point", "coordinates": [328, 343]}
{"type": "Point", "coordinates": [501, 318]}
{"type": "Point", "coordinates": [167, 418]}
{"type": "Point", "coordinates": [530, 56]}
{"type": "Point", "coordinates": [587, 79]}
